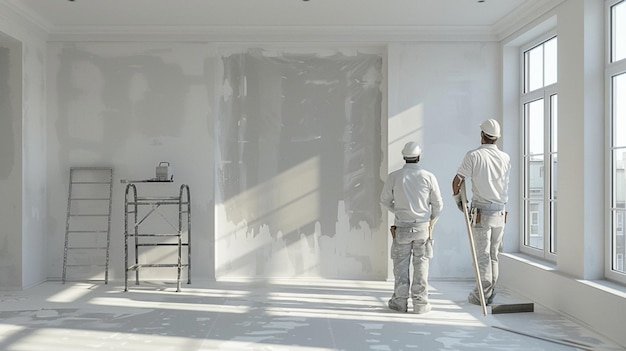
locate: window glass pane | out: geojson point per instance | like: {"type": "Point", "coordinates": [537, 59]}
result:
{"type": "Point", "coordinates": [554, 111]}
{"type": "Point", "coordinates": [619, 178]}
{"type": "Point", "coordinates": [619, 110]}
{"type": "Point", "coordinates": [553, 143]}
{"type": "Point", "coordinates": [618, 37]}
{"type": "Point", "coordinates": [553, 172]}
{"type": "Point", "coordinates": [534, 223]}
{"type": "Point", "coordinates": [553, 228]}
{"type": "Point", "coordinates": [535, 68]}
{"type": "Point", "coordinates": [550, 61]}
{"type": "Point", "coordinates": [619, 247]}
{"type": "Point", "coordinates": [553, 183]}
{"type": "Point", "coordinates": [534, 116]}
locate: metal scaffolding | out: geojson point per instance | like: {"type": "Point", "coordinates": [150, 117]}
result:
{"type": "Point", "coordinates": [137, 209]}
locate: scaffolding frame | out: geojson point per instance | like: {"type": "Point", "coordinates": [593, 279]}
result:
{"type": "Point", "coordinates": [132, 223]}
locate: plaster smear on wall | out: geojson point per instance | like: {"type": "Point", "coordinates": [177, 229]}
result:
{"type": "Point", "coordinates": [298, 163]}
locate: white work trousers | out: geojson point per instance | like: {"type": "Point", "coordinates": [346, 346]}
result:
{"type": "Point", "coordinates": [487, 236]}
{"type": "Point", "coordinates": [410, 243]}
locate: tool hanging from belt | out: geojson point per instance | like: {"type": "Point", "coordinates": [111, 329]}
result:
{"type": "Point", "coordinates": [474, 215]}
{"type": "Point", "coordinates": [428, 246]}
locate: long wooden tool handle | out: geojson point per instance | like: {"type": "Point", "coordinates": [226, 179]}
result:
{"type": "Point", "coordinates": [468, 225]}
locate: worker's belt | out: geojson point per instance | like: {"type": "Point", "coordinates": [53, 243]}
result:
{"type": "Point", "coordinates": [488, 207]}
{"type": "Point", "coordinates": [412, 229]}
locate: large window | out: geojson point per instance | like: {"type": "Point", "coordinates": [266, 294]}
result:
{"type": "Point", "coordinates": [539, 112]}
{"type": "Point", "coordinates": [616, 80]}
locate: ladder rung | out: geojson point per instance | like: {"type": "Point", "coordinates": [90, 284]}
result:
{"type": "Point", "coordinates": [88, 231]}
{"type": "Point", "coordinates": [154, 265]}
{"type": "Point", "coordinates": [90, 215]}
{"type": "Point", "coordinates": [163, 244]}
{"type": "Point", "coordinates": [155, 235]}
{"type": "Point", "coordinates": [86, 248]}
{"type": "Point", "coordinates": [155, 202]}
{"type": "Point", "coordinates": [91, 168]}
{"type": "Point", "coordinates": [91, 198]}
{"type": "Point", "coordinates": [107, 182]}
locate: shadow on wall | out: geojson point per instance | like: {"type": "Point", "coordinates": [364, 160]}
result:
{"type": "Point", "coordinates": [7, 140]}
{"type": "Point", "coordinates": [298, 165]}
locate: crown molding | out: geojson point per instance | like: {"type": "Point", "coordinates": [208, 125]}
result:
{"type": "Point", "coordinates": [277, 33]}
{"type": "Point", "coordinates": [514, 21]}
{"type": "Point", "coordinates": [527, 13]}
{"type": "Point", "coordinates": [16, 23]}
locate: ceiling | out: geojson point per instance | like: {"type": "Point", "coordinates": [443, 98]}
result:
{"type": "Point", "coordinates": [98, 15]}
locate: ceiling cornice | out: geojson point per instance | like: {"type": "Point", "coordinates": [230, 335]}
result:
{"type": "Point", "coordinates": [273, 34]}
{"type": "Point", "coordinates": [511, 23]}
{"type": "Point", "coordinates": [523, 15]}
{"type": "Point", "coordinates": [13, 17]}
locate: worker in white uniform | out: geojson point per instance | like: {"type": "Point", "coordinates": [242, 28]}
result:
{"type": "Point", "coordinates": [412, 194]}
{"type": "Point", "coordinates": [489, 169]}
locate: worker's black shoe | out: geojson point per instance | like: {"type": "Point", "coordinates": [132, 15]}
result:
{"type": "Point", "coordinates": [396, 306]}
{"type": "Point", "coordinates": [490, 298]}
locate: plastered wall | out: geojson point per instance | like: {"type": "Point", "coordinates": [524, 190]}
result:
{"type": "Point", "coordinates": [299, 161]}
{"type": "Point", "coordinates": [439, 93]}
{"type": "Point", "coordinates": [22, 158]}
{"type": "Point", "coordinates": [285, 153]}
{"type": "Point", "coordinates": [131, 106]}
{"type": "Point", "coordinates": [10, 172]}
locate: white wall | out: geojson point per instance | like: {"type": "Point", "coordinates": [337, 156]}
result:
{"type": "Point", "coordinates": [22, 210]}
{"type": "Point", "coordinates": [439, 93]}
{"type": "Point", "coordinates": [10, 157]}
{"type": "Point", "coordinates": [131, 105]}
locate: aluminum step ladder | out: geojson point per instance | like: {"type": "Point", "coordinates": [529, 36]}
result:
{"type": "Point", "coordinates": [88, 224]}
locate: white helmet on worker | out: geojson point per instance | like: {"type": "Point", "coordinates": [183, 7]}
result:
{"type": "Point", "coordinates": [411, 150]}
{"type": "Point", "coordinates": [491, 128]}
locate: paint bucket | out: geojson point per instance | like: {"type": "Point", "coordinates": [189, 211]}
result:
{"type": "Point", "coordinates": [163, 171]}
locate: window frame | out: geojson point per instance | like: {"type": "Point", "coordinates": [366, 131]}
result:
{"type": "Point", "coordinates": [612, 69]}
{"type": "Point", "coordinates": [548, 221]}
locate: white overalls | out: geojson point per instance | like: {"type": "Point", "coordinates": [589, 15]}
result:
{"type": "Point", "coordinates": [489, 169]}
{"type": "Point", "coordinates": [412, 194]}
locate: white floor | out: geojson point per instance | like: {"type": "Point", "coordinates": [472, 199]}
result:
{"type": "Point", "coordinates": [282, 315]}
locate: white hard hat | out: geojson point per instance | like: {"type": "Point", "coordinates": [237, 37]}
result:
{"type": "Point", "coordinates": [491, 127]}
{"type": "Point", "coordinates": [411, 150]}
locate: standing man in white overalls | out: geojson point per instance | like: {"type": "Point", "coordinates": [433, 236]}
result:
{"type": "Point", "coordinates": [412, 194]}
{"type": "Point", "coordinates": [489, 169]}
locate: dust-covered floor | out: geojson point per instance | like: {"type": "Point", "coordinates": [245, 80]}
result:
{"type": "Point", "coordinates": [291, 314]}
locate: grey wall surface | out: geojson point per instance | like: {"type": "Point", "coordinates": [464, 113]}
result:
{"type": "Point", "coordinates": [285, 151]}
{"type": "Point", "coordinates": [131, 106]}
{"type": "Point", "coordinates": [299, 161]}
{"type": "Point", "coordinates": [10, 172]}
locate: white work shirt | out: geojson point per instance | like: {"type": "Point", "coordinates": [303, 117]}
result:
{"type": "Point", "coordinates": [412, 195]}
{"type": "Point", "coordinates": [489, 169]}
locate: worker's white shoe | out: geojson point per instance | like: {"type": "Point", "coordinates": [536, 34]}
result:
{"type": "Point", "coordinates": [419, 309]}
